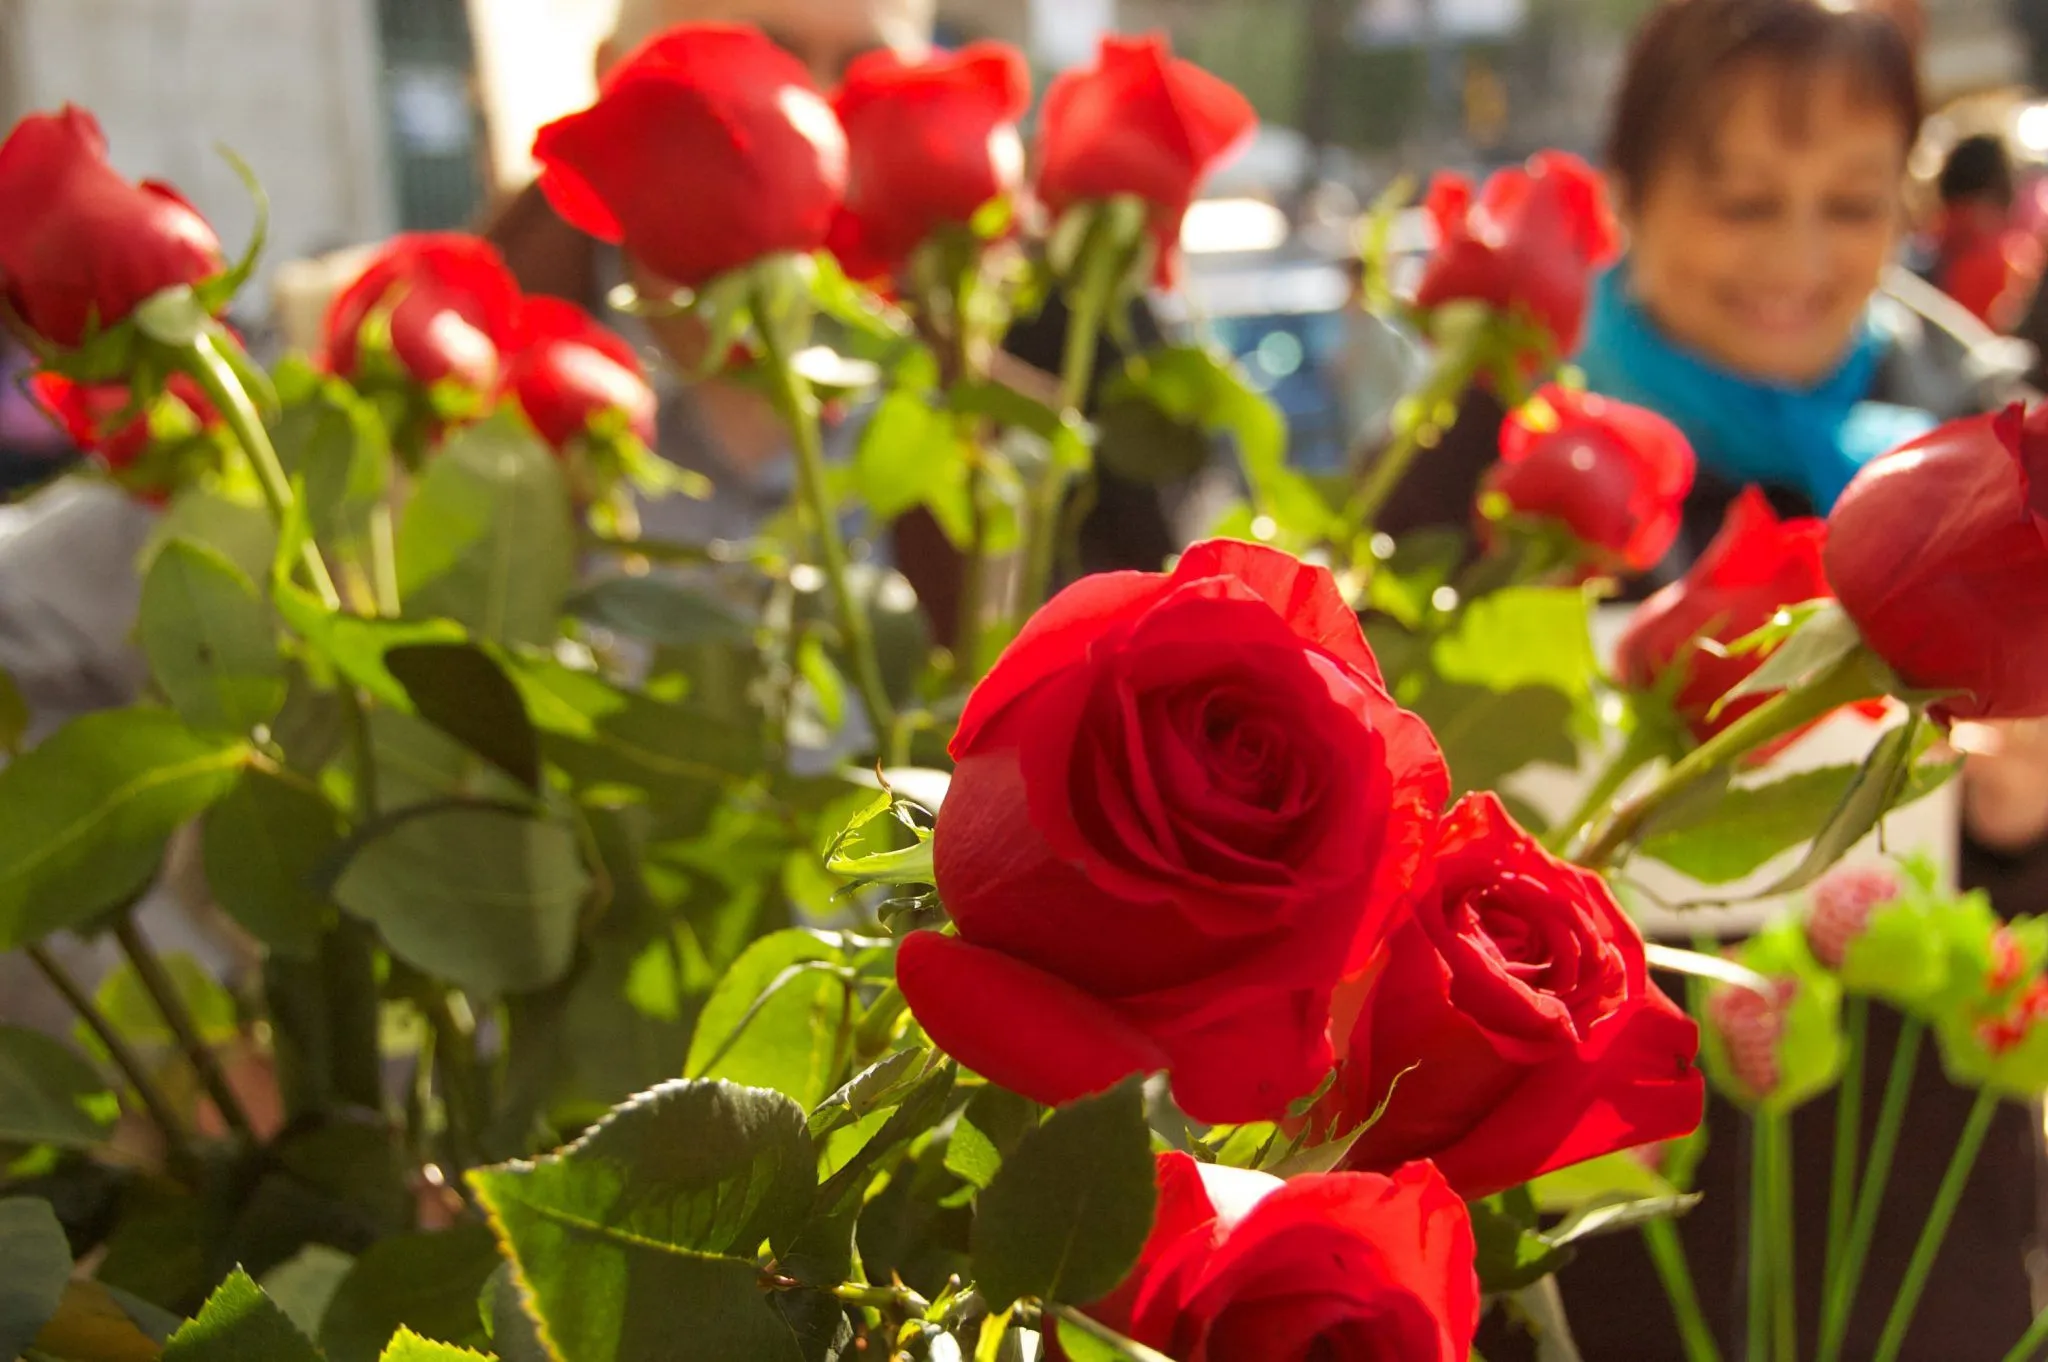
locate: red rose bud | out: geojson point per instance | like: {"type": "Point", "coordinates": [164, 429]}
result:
{"type": "Point", "coordinates": [1340, 1267]}
{"type": "Point", "coordinates": [708, 148]}
{"type": "Point", "coordinates": [443, 302]}
{"type": "Point", "coordinates": [1139, 122]}
{"type": "Point", "coordinates": [1613, 474]}
{"type": "Point", "coordinates": [1180, 800]}
{"type": "Point", "coordinates": [1939, 552]}
{"type": "Point", "coordinates": [928, 145]}
{"type": "Point", "coordinates": [1512, 1027]}
{"type": "Point", "coordinates": [1529, 244]}
{"type": "Point", "coordinates": [1755, 567]}
{"type": "Point", "coordinates": [105, 421]}
{"type": "Point", "coordinates": [1842, 905]}
{"type": "Point", "coordinates": [1750, 1027]}
{"type": "Point", "coordinates": [80, 246]}
{"type": "Point", "coordinates": [569, 374]}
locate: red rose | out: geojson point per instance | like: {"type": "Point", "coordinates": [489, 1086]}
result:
{"type": "Point", "coordinates": [569, 372]}
{"type": "Point", "coordinates": [1179, 800]}
{"type": "Point", "coordinates": [1939, 552]}
{"type": "Point", "coordinates": [1613, 474]}
{"type": "Point", "coordinates": [105, 421]}
{"type": "Point", "coordinates": [1530, 243]}
{"type": "Point", "coordinates": [928, 144]}
{"type": "Point", "coordinates": [1755, 567]}
{"type": "Point", "coordinates": [1331, 1267]}
{"type": "Point", "coordinates": [449, 306]}
{"type": "Point", "coordinates": [1139, 122]}
{"type": "Point", "coordinates": [707, 149]}
{"type": "Point", "coordinates": [81, 247]}
{"type": "Point", "coordinates": [1513, 1021]}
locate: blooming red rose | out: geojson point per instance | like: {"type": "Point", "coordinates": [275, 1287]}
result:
{"type": "Point", "coordinates": [105, 421]}
{"type": "Point", "coordinates": [1511, 1027]}
{"type": "Point", "coordinates": [1613, 474]}
{"type": "Point", "coordinates": [449, 306]}
{"type": "Point", "coordinates": [1138, 122]}
{"type": "Point", "coordinates": [569, 372]}
{"type": "Point", "coordinates": [1179, 800]}
{"type": "Point", "coordinates": [928, 144]}
{"type": "Point", "coordinates": [1939, 552]}
{"type": "Point", "coordinates": [1755, 567]}
{"type": "Point", "coordinates": [80, 246]}
{"type": "Point", "coordinates": [1531, 242]}
{"type": "Point", "coordinates": [1331, 1267]}
{"type": "Point", "coordinates": [708, 148]}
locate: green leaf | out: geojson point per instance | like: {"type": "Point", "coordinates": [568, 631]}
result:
{"type": "Point", "coordinates": [333, 445]}
{"type": "Point", "coordinates": [911, 455]}
{"type": "Point", "coordinates": [35, 1263]}
{"type": "Point", "coordinates": [241, 530]}
{"type": "Point", "coordinates": [1824, 636]}
{"type": "Point", "coordinates": [1523, 636]}
{"type": "Point", "coordinates": [129, 1006]}
{"type": "Point", "coordinates": [85, 816]}
{"type": "Point", "coordinates": [1488, 735]}
{"type": "Point", "coordinates": [460, 690]}
{"type": "Point", "coordinates": [1511, 1254]}
{"type": "Point", "coordinates": [878, 1087]}
{"type": "Point", "coordinates": [1735, 835]}
{"type": "Point", "coordinates": [780, 1017]}
{"type": "Point", "coordinates": [1085, 1340]}
{"type": "Point", "coordinates": [428, 1283]}
{"type": "Point", "coordinates": [97, 1323]}
{"type": "Point", "coordinates": [49, 1095]}
{"type": "Point", "coordinates": [1620, 1175]}
{"type": "Point", "coordinates": [1067, 1214]}
{"type": "Point", "coordinates": [654, 1218]}
{"type": "Point", "coordinates": [514, 1336]}
{"type": "Point", "coordinates": [989, 1130]}
{"type": "Point", "coordinates": [240, 1324]}
{"type": "Point", "coordinates": [662, 610]}
{"type": "Point", "coordinates": [356, 647]}
{"type": "Point", "coordinates": [1614, 1216]}
{"type": "Point", "coordinates": [303, 1286]}
{"type": "Point", "coordinates": [487, 540]}
{"type": "Point", "coordinates": [407, 1346]}
{"type": "Point", "coordinates": [485, 898]}
{"type": "Point", "coordinates": [265, 846]}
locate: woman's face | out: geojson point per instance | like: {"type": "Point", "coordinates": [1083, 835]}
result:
{"type": "Point", "coordinates": [1762, 252]}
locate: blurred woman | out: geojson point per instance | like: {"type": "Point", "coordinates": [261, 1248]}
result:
{"type": "Point", "coordinates": [1758, 154]}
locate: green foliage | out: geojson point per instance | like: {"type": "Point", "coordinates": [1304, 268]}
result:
{"type": "Point", "coordinates": [426, 1283]}
{"type": "Point", "coordinates": [84, 817]}
{"type": "Point", "coordinates": [1066, 1215]}
{"type": "Point", "coordinates": [49, 1095]}
{"type": "Point", "coordinates": [660, 610]}
{"type": "Point", "coordinates": [240, 1324]}
{"type": "Point", "coordinates": [266, 844]}
{"type": "Point", "coordinates": [656, 1216]}
{"type": "Point", "coordinates": [35, 1263]}
{"type": "Point", "coordinates": [211, 640]}
{"type": "Point", "coordinates": [782, 1017]}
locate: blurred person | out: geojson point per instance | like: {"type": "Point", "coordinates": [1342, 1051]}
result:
{"type": "Point", "coordinates": [1758, 153]}
{"type": "Point", "coordinates": [32, 447]}
{"type": "Point", "coordinates": [730, 433]}
{"type": "Point", "coordinates": [1982, 257]}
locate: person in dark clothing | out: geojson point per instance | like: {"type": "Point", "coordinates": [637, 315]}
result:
{"type": "Point", "coordinates": [1758, 153]}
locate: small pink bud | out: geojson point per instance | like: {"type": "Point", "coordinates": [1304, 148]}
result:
{"type": "Point", "coordinates": [1842, 905]}
{"type": "Point", "coordinates": [1750, 1025]}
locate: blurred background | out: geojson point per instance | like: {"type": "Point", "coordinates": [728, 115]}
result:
{"type": "Point", "coordinates": [365, 117]}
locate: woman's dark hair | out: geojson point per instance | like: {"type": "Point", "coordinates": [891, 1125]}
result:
{"type": "Point", "coordinates": [1684, 59]}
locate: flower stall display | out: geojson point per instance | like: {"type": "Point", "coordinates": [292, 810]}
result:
{"type": "Point", "coordinates": [668, 950]}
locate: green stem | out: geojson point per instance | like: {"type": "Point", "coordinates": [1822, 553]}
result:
{"type": "Point", "coordinates": [1449, 376]}
{"type": "Point", "coordinates": [1848, 1134]}
{"type": "Point", "coordinates": [177, 1144]}
{"type": "Point", "coordinates": [989, 1346]}
{"type": "Point", "coordinates": [653, 550]}
{"type": "Point", "coordinates": [156, 981]}
{"type": "Point", "coordinates": [871, 1034]}
{"type": "Point", "coordinates": [1843, 683]}
{"type": "Point", "coordinates": [1088, 307]}
{"type": "Point", "coordinates": [967, 645]}
{"type": "Point", "coordinates": [1891, 1117]}
{"type": "Point", "coordinates": [1757, 1299]}
{"type": "Point", "coordinates": [384, 561]}
{"type": "Point", "coordinates": [1667, 1253]}
{"type": "Point", "coordinates": [455, 1064]}
{"type": "Point", "coordinates": [900, 1298]}
{"type": "Point", "coordinates": [799, 409]}
{"type": "Point", "coordinates": [216, 377]}
{"type": "Point", "coordinates": [1928, 1247]}
{"type": "Point", "coordinates": [1784, 1252]}
{"type": "Point", "coordinates": [1638, 752]}
{"type": "Point", "coordinates": [2032, 1342]}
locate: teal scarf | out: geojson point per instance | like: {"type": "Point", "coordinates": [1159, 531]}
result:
{"type": "Point", "coordinates": [1808, 440]}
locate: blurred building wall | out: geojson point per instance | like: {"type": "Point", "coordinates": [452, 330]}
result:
{"type": "Point", "coordinates": [290, 85]}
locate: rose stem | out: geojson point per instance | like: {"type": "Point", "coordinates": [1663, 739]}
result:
{"type": "Point", "coordinates": [1936, 1229]}
{"type": "Point", "coordinates": [1891, 1118]}
{"type": "Point", "coordinates": [177, 1147]}
{"type": "Point", "coordinates": [1638, 752]}
{"type": "Point", "coordinates": [1446, 383]}
{"type": "Point", "coordinates": [2031, 1343]}
{"type": "Point", "coordinates": [1757, 1298]}
{"type": "Point", "coordinates": [1848, 1133]}
{"type": "Point", "coordinates": [1845, 682]}
{"type": "Point", "coordinates": [1667, 1252]}
{"type": "Point", "coordinates": [1088, 307]}
{"type": "Point", "coordinates": [1784, 1256]}
{"type": "Point", "coordinates": [156, 981]}
{"type": "Point", "coordinates": [799, 408]}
